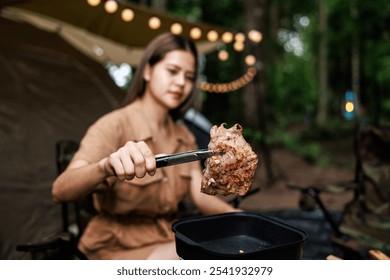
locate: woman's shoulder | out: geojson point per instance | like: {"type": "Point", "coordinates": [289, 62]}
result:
{"type": "Point", "coordinates": [120, 115]}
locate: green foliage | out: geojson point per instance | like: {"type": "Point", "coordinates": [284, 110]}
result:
{"type": "Point", "coordinates": [226, 13]}
{"type": "Point", "coordinates": [311, 151]}
{"type": "Point", "coordinates": [306, 144]}
{"type": "Point", "coordinates": [253, 135]}
{"type": "Point", "coordinates": [190, 9]}
{"type": "Point", "coordinates": [364, 25]}
{"type": "Point", "coordinates": [308, 141]}
{"type": "Point", "coordinates": [291, 80]}
{"type": "Point", "coordinates": [291, 89]}
{"type": "Point", "coordinates": [331, 130]}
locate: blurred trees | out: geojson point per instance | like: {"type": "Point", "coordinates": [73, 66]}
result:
{"type": "Point", "coordinates": [322, 112]}
{"type": "Point", "coordinates": [360, 54]}
{"type": "Point", "coordinates": [312, 53]}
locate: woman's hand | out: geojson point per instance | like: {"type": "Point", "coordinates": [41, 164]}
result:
{"type": "Point", "coordinates": [134, 159]}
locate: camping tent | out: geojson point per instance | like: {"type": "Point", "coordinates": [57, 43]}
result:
{"type": "Point", "coordinates": [100, 35]}
{"type": "Point", "coordinates": [51, 89]}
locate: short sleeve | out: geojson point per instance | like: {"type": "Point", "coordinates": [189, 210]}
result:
{"type": "Point", "coordinates": [101, 139]}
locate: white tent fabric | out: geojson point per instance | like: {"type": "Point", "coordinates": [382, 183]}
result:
{"type": "Point", "coordinates": [115, 46]}
{"type": "Point", "coordinates": [49, 92]}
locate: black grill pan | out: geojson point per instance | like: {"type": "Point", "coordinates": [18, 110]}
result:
{"type": "Point", "coordinates": [238, 235]}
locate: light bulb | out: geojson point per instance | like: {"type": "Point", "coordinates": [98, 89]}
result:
{"type": "Point", "coordinates": [93, 3]}
{"type": "Point", "coordinates": [250, 60]}
{"type": "Point", "coordinates": [127, 15]}
{"type": "Point", "coordinates": [111, 6]}
{"type": "Point", "coordinates": [223, 55]}
{"type": "Point", "coordinates": [195, 33]}
{"type": "Point", "coordinates": [238, 46]}
{"type": "Point", "coordinates": [212, 35]}
{"type": "Point", "coordinates": [227, 37]}
{"type": "Point", "coordinates": [255, 36]}
{"type": "Point", "coordinates": [239, 37]}
{"type": "Point", "coordinates": [176, 28]}
{"type": "Point", "coordinates": [154, 23]}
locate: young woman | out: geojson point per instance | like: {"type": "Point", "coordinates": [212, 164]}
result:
{"type": "Point", "coordinates": [137, 203]}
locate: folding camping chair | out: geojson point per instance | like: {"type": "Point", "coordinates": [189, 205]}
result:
{"type": "Point", "coordinates": [63, 245]}
{"type": "Point", "coordinates": [365, 221]}
{"type": "Point", "coordinates": [76, 215]}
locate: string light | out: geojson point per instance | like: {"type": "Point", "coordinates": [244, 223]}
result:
{"type": "Point", "coordinates": [227, 37]}
{"type": "Point", "coordinates": [127, 15]}
{"type": "Point", "coordinates": [238, 46]}
{"type": "Point", "coordinates": [255, 36]}
{"type": "Point", "coordinates": [176, 28]}
{"type": "Point", "coordinates": [195, 33]}
{"type": "Point", "coordinates": [239, 37]}
{"type": "Point", "coordinates": [93, 3]}
{"type": "Point", "coordinates": [111, 6]}
{"type": "Point", "coordinates": [250, 60]}
{"type": "Point", "coordinates": [231, 86]}
{"type": "Point", "coordinates": [212, 35]}
{"type": "Point", "coordinates": [223, 55]}
{"type": "Point", "coordinates": [154, 23]}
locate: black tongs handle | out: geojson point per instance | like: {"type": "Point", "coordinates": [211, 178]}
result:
{"type": "Point", "coordinates": [184, 157]}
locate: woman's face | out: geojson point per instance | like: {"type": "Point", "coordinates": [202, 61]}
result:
{"type": "Point", "coordinates": [171, 80]}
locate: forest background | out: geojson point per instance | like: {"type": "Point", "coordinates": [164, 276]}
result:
{"type": "Point", "coordinates": [315, 56]}
{"type": "Point", "coordinates": [312, 53]}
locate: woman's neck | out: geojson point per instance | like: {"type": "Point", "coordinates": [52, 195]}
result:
{"type": "Point", "coordinates": [158, 121]}
{"type": "Point", "coordinates": [156, 114]}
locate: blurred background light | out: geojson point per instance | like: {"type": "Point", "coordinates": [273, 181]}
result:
{"type": "Point", "coordinates": [227, 37]}
{"type": "Point", "coordinates": [127, 15]}
{"type": "Point", "coordinates": [212, 35]}
{"type": "Point", "coordinates": [154, 23]}
{"type": "Point", "coordinates": [176, 28]}
{"type": "Point", "coordinates": [195, 33]}
{"type": "Point", "coordinates": [255, 36]}
{"type": "Point", "coordinates": [111, 6]}
{"type": "Point", "coordinates": [93, 3]}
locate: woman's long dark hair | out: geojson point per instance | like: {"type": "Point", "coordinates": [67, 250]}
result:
{"type": "Point", "coordinates": [155, 52]}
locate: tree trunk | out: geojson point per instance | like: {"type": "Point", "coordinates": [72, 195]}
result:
{"type": "Point", "coordinates": [159, 4]}
{"type": "Point", "coordinates": [254, 95]}
{"type": "Point", "coordinates": [322, 113]}
{"type": "Point", "coordinates": [355, 59]}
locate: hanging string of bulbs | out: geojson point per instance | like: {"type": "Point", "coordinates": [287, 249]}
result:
{"type": "Point", "coordinates": [227, 37]}
{"type": "Point", "coordinates": [231, 86]}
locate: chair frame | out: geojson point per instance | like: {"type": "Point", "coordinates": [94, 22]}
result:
{"type": "Point", "coordinates": [344, 244]}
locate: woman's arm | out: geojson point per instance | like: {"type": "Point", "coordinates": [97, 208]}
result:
{"type": "Point", "coordinates": [134, 159]}
{"type": "Point", "coordinates": [77, 181]}
{"type": "Point", "coordinates": [207, 204]}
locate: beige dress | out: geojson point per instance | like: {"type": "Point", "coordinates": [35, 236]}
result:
{"type": "Point", "coordinates": [135, 215]}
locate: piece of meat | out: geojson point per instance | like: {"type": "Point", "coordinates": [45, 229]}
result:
{"type": "Point", "coordinates": [231, 172]}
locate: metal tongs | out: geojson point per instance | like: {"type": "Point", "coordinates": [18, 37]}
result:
{"type": "Point", "coordinates": [184, 157]}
